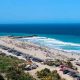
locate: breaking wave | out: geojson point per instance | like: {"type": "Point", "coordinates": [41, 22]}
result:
{"type": "Point", "coordinates": [54, 43]}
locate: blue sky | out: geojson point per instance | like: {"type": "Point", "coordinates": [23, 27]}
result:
{"type": "Point", "coordinates": [39, 11]}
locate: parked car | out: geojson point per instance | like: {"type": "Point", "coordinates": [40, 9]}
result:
{"type": "Point", "coordinates": [30, 67]}
{"type": "Point", "coordinates": [66, 71]}
{"type": "Point", "coordinates": [77, 63]}
{"type": "Point", "coordinates": [73, 74]}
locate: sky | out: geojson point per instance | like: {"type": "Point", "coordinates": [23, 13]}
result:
{"type": "Point", "coordinates": [39, 11]}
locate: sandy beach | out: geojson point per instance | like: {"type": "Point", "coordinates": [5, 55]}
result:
{"type": "Point", "coordinates": [36, 50]}
{"type": "Point", "coordinates": [39, 52]}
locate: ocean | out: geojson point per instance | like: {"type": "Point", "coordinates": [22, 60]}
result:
{"type": "Point", "coordinates": [59, 36]}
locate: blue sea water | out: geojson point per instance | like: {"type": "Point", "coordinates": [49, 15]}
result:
{"type": "Point", "coordinates": [60, 42]}
{"type": "Point", "coordinates": [59, 36]}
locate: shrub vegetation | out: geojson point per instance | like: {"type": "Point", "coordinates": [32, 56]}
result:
{"type": "Point", "coordinates": [9, 67]}
{"type": "Point", "coordinates": [46, 74]}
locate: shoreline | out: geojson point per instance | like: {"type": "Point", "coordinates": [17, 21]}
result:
{"type": "Point", "coordinates": [63, 50]}
{"type": "Point", "coordinates": [75, 51]}
{"type": "Point", "coordinates": [70, 47]}
{"type": "Point", "coordinates": [52, 51]}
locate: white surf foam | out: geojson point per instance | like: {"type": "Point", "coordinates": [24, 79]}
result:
{"type": "Point", "coordinates": [53, 43]}
{"type": "Point", "coordinates": [50, 40]}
